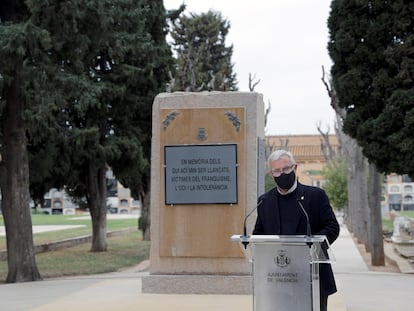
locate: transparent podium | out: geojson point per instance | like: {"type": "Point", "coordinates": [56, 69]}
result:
{"type": "Point", "coordinates": [285, 270]}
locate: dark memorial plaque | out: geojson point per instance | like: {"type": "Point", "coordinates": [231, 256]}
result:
{"type": "Point", "coordinates": [201, 174]}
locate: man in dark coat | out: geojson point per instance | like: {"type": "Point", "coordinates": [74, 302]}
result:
{"type": "Point", "coordinates": [279, 213]}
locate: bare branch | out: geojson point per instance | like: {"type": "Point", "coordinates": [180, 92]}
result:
{"type": "Point", "coordinates": [252, 84]}
{"type": "Point", "coordinates": [327, 86]}
{"type": "Point", "coordinates": [171, 84]}
{"type": "Point", "coordinates": [267, 113]}
{"type": "Point", "coordinates": [332, 94]}
{"type": "Point", "coordinates": [327, 150]}
{"type": "Point", "coordinates": [200, 88]}
{"type": "Point", "coordinates": [210, 84]}
{"type": "Point", "coordinates": [284, 142]}
{"type": "Point", "coordinates": [340, 114]}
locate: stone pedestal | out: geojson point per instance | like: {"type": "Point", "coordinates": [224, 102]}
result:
{"type": "Point", "coordinates": [206, 171]}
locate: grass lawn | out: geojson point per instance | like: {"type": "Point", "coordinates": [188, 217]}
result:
{"type": "Point", "coordinates": [409, 214]}
{"type": "Point", "coordinates": [124, 250]}
{"type": "Point", "coordinates": [55, 220]}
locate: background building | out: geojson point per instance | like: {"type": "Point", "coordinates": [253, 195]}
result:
{"type": "Point", "coordinates": [398, 193]}
{"type": "Point", "coordinates": [119, 200]}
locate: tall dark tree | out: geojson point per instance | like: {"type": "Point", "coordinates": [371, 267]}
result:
{"type": "Point", "coordinates": [109, 82]}
{"type": "Point", "coordinates": [156, 62]}
{"type": "Point", "coordinates": [77, 81]}
{"type": "Point", "coordinates": [203, 59]}
{"type": "Point", "coordinates": [364, 223]}
{"type": "Point", "coordinates": [89, 44]}
{"type": "Point", "coordinates": [19, 44]}
{"type": "Point", "coordinates": [371, 45]}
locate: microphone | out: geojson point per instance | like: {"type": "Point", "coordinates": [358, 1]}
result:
{"type": "Point", "coordinates": [245, 243]}
{"type": "Point", "coordinates": [308, 227]}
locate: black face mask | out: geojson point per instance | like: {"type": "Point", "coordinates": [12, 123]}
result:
{"type": "Point", "coordinates": [285, 181]}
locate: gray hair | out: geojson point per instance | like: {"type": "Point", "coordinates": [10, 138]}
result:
{"type": "Point", "coordinates": [276, 155]}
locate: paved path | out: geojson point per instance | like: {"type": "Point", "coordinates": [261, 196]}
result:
{"type": "Point", "coordinates": [359, 290]}
{"type": "Point", "coordinates": [364, 290]}
{"type": "Point", "coordinates": [44, 228]}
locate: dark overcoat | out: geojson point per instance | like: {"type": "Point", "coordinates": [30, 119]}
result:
{"type": "Point", "coordinates": [321, 216]}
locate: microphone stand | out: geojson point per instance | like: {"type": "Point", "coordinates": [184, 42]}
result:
{"type": "Point", "coordinates": [308, 226]}
{"type": "Point", "coordinates": [245, 236]}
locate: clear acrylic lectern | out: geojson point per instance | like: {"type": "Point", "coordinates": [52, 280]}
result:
{"type": "Point", "coordinates": [285, 270]}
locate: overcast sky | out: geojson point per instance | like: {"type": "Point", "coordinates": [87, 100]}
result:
{"type": "Point", "coordinates": [283, 43]}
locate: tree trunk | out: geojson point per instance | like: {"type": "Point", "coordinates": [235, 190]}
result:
{"type": "Point", "coordinates": [361, 193]}
{"type": "Point", "coordinates": [357, 190]}
{"type": "Point", "coordinates": [146, 216]}
{"type": "Point", "coordinates": [97, 206]}
{"type": "Point", "coordinates": [376, 240]}
{"type": "Point", "coordinates": [357, 212]}
{"type": "Point", "coordinates": [14, 183]}
{"type": "Point", "coordinates": [348, 147]}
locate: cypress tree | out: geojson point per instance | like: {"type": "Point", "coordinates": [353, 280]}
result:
{"type": "Point", "coordinates": [77, 81]}
{"type": "Point", "coordinates": [371, 44]}
{"type": "Point", "coordinates": [203, 59]}
{"type": "Point", "coordinates": [20, 43]}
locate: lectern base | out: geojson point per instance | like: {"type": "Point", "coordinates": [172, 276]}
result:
{"type": "Point", "coordinates": [197, 284]}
